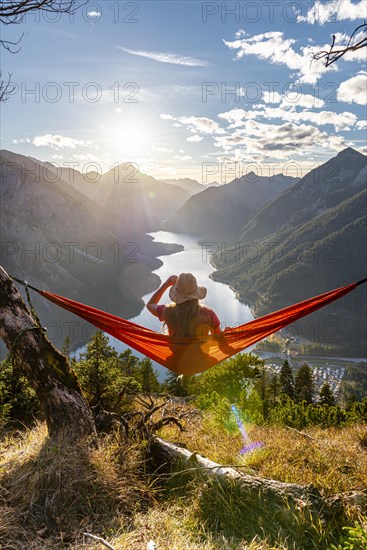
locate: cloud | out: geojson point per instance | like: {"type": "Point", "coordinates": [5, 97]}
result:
{"type": "Point", "coordinates": [354, 90]}
{"type": "Point", "coordinates": [162, 149]}
{"type": "Point", "coordinates": [60, 142]}
{"type": "Point", "coordinates": [195, 124]}
{"type": "Point", "coordinates": [185, 157]}
{"type": "Point", "coordinates": [201, 124]}
{"type": "Point", "coordinates": [166, 57]}
{"type": "Point", "coordinates": [94, 13]}
{"type": "Point", "coordinates": [276, 141]}
{"type": "Point", "coordinates": [295, 99]}
{"type": "Point", "coordinates": [21, 140]}
{"type": "Point", "coordinates": [273, 47]}
{"type": "Point", "coordinates": [324, 12]}
{"type": "Point", "coordinates": [194, 139]}
{"type": "Point", "coordinates": [361, 124]}
{"type": "Point", "coordinates": [238, 117]}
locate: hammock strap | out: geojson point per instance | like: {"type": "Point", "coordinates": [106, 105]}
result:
{"type": "Point", "coordinates": [34, 314]}
{"type": "Point", "coordinates": [30, 303]}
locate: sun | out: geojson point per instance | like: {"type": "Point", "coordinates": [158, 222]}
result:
{"type": "Point", "coordinates": [130, 138]}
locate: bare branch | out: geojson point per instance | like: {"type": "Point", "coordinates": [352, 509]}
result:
{"type": "Point", "coordinates": [99, 539]}
{"type": "Point", "coordinates": [7, 44]}
{"type": "Point", "coordinates": [6, 88]}
{"type": "Point", "coordinates": [334, 54]}
{"type": "Point", "coordinates": [12, 13]}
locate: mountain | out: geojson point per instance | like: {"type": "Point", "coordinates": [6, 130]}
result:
{"type": "Point", "coordinates": [222, 212]}
{"type": "Point", "coordinates": [124, 189]}
{"type": "Point", "coordinates": [58, 239]}
{"type": "Point", "coordinates": [310, 239]}
{"type": "Point", "coordinates": [319, 190]}
{"type": "Point", "coordinates": [189, 185]}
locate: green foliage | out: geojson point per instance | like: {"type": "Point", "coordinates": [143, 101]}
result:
{"type": "Point", "coordinates": [208, 400]}
{"type": "Point", "coordinates": [304, 384]}
{"type": "Point", "coordinates": [178, 385]}
{"type": "Point", "coordinates": [315, 349]}
{"type": "Point", "coordinates": [251, 406]}
{"type": "Point", "coordinates": [261, 398]}
{"type": "Point", "coordinates": [109, 379]}
{"type": "Point", "coordinates": [303, 414]}
{"type": "Point", "coordinates": [230, 377]}
{"type": "Point", "coordinates": [286, 380]}
{"type": "Point", "coordinates": [354, 539]}
{"type": "Point", "coordinates": [18, 401]}
{"type": "Point", "coordinates": [269, 345]}
{"type": "Point", "coordinates": [326, 395]}
{"type": "Point", "coordinates": [354, 384]}
{"type": "Point", "coordinates": [147, 376]}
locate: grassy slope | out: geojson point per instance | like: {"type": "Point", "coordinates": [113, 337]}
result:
{"type": "Point", "coordinates": [49, 497]}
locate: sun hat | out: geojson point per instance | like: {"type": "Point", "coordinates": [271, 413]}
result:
{"type": "Point", "coordinates": [186, 288]}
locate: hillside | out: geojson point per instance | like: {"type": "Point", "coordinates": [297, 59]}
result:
{"type": "Point", "coordinates": [311, 239]}
{"type": "Point", "coordinates": [221, 212]}
{"type": "Point", "coordinates": [50, 496]}
{"type": "Point", "coordinates": [125, 190]}
{"type": "Point", "coordinates": [58, 239]}
{"type": "Point", "coordinates": [319, 190]}
{"type": "Point", "coordinates": [187, 184]}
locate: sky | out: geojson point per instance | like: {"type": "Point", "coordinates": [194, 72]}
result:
{"type": "Point", "coordinates": [205, 90]}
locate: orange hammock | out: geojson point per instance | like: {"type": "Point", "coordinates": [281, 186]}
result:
{"type": "Point", "coordinates": [193, 355]}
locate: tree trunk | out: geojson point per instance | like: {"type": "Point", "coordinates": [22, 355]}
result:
{"type": "Point", "coordinates": [68, 415]}
{"type": "Point", "coordinates": [252, 487]}
{"type": "Point", "coordinates": [266, 490]}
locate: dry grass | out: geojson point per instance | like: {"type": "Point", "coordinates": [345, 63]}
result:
{"type": "Point", "coordinates": [49, 496]}
{"type": "Point", "coordinates": [335, 461]}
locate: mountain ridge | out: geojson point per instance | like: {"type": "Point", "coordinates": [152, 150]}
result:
{"type": "Point", "coordinates": [301, 252]}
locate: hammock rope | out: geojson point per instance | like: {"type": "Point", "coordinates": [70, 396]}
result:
{"type": "Point", "coordinates": [191, 355]}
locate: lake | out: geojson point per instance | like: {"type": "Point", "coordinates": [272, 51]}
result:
{"type": "Point", "coordinates": [194, 259]}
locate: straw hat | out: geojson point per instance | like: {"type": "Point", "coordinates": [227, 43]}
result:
{"type": "Point", "coordinates": [186, 288]}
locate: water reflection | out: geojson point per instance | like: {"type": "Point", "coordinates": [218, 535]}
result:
{"type": "Point", "coordinates": [194, 258]}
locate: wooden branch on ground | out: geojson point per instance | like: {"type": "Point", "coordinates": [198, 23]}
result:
{"type": "Point", "coordinates": [301, 433]}
{"type": "Point", "coordinates": [252, 486]}
{"type": "Point", "coordinates": [99, 539]}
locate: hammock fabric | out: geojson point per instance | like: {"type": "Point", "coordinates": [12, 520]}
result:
{"type": "Point", "coordinates": [192, 355]}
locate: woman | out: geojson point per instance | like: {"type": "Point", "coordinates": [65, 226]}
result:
{"type": "Point", "coordinates": [185, 316]}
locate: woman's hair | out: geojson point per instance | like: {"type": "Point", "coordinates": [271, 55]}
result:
{"type": "Point", "coordinates": [182, 319]}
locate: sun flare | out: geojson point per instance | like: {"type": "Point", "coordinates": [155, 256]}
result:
{"type": "Point", "coordinates": [130, 138]}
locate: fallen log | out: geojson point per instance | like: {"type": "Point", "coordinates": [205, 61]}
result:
{"type": "Point", "coordinates": [252, 487]}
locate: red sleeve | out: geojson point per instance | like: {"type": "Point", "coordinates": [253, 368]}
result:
{"type": "Point", "coordinates": [211, 316]}
{"type": "Point", "coordinates": [215, 319]}
{"type": "Point", "coordinates": [160, 311]}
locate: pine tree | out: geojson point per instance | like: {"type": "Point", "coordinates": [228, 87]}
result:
{"type": "Point", "coordinates": [304, 384]}
{"type": "Point", "coordinates": [178, 385]}
{"type": "Point", "coordinates": [326, 395]}
{"type": "Point", "coordinates": [128, 363]}
{"type": "Point", "coordinates": [274, 387]}
{"type": "Point", "coordinates": [66, 348]}
{"type": "Point", "coordinates": [286, 380]}
{"type": "Point", "coordinates": [96, 370]}
{"type": "Point", "coordinates": [147, 376]}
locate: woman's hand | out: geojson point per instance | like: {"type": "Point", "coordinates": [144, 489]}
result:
{"type": "Point", "coordinates": [153, 302]}
{"type": "Point", "coordinates": [172, 280]}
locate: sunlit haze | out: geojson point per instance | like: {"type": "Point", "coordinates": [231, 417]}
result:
{"type": "Point", "coordinates": [206, 90]}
